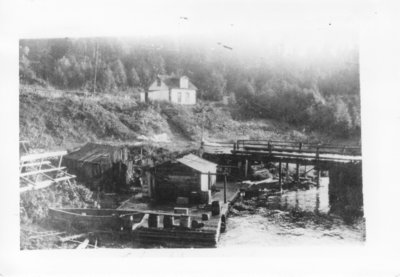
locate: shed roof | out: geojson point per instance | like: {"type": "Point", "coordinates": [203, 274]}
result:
{"type": "Point", "coordinates": [197, 163]}
{"type": "Point", "coordinates": [97, 153]}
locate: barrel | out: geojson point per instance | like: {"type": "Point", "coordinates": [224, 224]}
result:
{"type": "Point", "coordinates": [205, 217]}
{"type": "Point", "coordinates": [185, 221]}
{"type": "Point", "coordinates": [153, 220]}
{"type": "Point", "coordinates": [194, 197]}
{"type": "Point", "coordinates": [215, 208]}
{"type": "Point", "coordinates": [168, 221]}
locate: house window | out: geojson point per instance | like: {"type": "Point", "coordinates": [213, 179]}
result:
{"type": "Point", "coordinates": [158, 82]}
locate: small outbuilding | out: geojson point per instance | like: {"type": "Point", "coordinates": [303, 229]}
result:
{"type": "Point", "coordinates": [101, 166]}
{"type": "Point", "coordinates": [189, 177]}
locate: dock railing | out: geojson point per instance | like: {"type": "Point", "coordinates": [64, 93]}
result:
{"type": "Point", "coordinates": [294, 146]}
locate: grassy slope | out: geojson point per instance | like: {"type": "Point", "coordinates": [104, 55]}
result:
{"type": "Point", "coordinates": [51, 118]}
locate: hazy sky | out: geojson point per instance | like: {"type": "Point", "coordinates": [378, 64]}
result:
{"type": "Point", "coordinates": [297, 25]}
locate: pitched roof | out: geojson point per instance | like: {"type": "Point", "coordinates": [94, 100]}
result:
{"type": "Point", "coordinates": [173, 82]}
{"type": "Point", "coordinates": [197, 163]}
{"type": "Point", "coordinates": [98, 153]}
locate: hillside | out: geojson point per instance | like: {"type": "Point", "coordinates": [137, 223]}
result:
{"type": "Point", "coordinates": [51, 118]}
{"type": "Point", "coordinates": [319, 93]}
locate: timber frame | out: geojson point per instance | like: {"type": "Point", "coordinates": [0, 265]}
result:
{"type": "Point", "coordinates": [36, 171]}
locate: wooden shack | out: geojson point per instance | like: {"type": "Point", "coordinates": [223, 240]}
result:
{"type": "Point", "coordinates": [101, 166]}
{"type": "Point", "coordinates": [189, 177]}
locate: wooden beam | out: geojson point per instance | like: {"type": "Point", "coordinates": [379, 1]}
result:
{"type": "Point", "coordinates": [27, 180]}
{"type": "Point", "coordinates": [35, 164]}
{"type": "Point", "coordinates": [30, 173]}
{"type": "Point", "coordinates": [141, 223]}
{"type": "Point", "coordinates": [287, 171]}
{"type": "Point", "coordinates": [280, 174]}
{"type": "Point", "coordinates": [46, 234]}
{"type": "Point", "coordinates": [77, 236]}
{"type": "Point", "coordinates": [225, 188]}
{"type": "Point", "coordinates": [83, 245]}
{"type": "Point", "coordinates": [33, 157]}
{"type": "Point", "coordinates": [38, 185]}
{"type": "Point", "coordinates": [246, 165]}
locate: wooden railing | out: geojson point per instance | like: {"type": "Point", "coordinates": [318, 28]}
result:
{"type": "Point", "coordinates": [295, 147]}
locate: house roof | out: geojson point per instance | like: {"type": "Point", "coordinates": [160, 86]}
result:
{"type": "Point", "coordinates": [197, 163]}
{"type": "Point", "coordinates": [173, 82]}
{"type": "Point", "coordinates": [98, 153]}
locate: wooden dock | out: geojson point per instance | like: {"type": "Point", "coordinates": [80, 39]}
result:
{"type": "Point", "coordinates": [207, 235]}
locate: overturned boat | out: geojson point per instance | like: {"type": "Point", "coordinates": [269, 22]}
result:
{"type": "Point", "coordinates": [95, 219]}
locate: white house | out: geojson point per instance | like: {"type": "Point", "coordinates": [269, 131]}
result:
{"type": "Point", "coordinates": [177, 90]}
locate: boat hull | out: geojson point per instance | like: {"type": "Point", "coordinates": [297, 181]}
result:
{"type": "Point", "coordinates": [95, 219]}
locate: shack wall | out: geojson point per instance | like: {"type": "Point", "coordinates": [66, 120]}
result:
{"type": "Point", "coordinates": [174, 180]}
{"type": "Point", "coordinates": [101, 166]}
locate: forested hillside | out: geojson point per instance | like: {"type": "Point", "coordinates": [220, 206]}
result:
{"type": "Point", "coordinates": [312, 94]}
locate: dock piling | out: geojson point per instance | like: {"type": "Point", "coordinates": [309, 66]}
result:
{"type": "Point", "coordinates": [225, 188]}
{"type": "Point", "coordinates": [280, 175]}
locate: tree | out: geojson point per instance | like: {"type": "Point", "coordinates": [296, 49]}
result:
{"type": "Point", "coordinates": [148, 66]}
{"type": "Point", "coordinates": [133, 78]}
{"type": "Point", "coordinates": [25, 71]}
{"type": "Point", "coordinates": [119, 74]}
{"type": "Point", "coordinates": [343, 120]}
{"type": "Point", "coordinates": [244, 92]}
{"type": "Point", "coordinates": [214, 86]}
{"type": "Point", "coordinates": [59, 48]}
{"type": "Point", "coordinates": [106, 80]}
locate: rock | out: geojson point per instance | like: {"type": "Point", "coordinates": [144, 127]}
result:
{"type": "Point", "coordinates": [234, 211]}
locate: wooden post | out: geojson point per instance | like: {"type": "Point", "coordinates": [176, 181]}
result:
{"type": "Point", "coordinates": [246, 165]}
{"type": "Point", "coordinates": [40, 168]}
{"type": "Point", "coordinates": [209, 180]}
{"type": "Point", "coordinates": [287, 171]}
{"type": "Point", "coordinates": [280, 175]}
{"type": "Point", "coordinates": [95, 67]}
{"type": "Point", "coordinates": [60, 161]}
{"type": "Point", "coordinates": [298, 165]}
{"type": "Point", "coordinates": [269, 148]}
{"type": "Point", "coordinates": [317, 166]}
{"type": "Point", "coordinates": [225, 188]}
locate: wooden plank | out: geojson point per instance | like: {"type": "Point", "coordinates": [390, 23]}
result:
{"type": "Point", "coordinates": [303, 156]}
{"type": "Point", "coordinates": [141, 223]}
{"type": "Point", "coordinates": [163, 213]}
{"type": "Point", "coordinates": [83, 245]}
{"type": "Point", "coordinates": [27, 180]}
{"type": "Point", "coordinates": [77, 236]}
{"type": "Point", "coordinates": [33, 157]}
{"type": "Point", "coordinates": [46, 234]}
{"type": "Point", "coordinates": [35, 164]}
{"type": "Point", "coordinates": [38, 185]}
{"type": "Point", "coordinates": [30, 173]}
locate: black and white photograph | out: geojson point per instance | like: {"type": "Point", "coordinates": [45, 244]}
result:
{"type": "Point", "coordinates": [205, 126]}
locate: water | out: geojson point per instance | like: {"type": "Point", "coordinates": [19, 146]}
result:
{"type": "Point", "coordinates": [311, 200]}
{"type": "Point", "coordinates": [293, 217]}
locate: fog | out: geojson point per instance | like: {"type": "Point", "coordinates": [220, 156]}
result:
{"type": "Point", "coordinates": [301, 30]}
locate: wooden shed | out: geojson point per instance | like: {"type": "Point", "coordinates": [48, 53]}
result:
{"type": "Point", "coordinates": [190, 176]}
{"type": "Point", "coordinates": [98, 165]}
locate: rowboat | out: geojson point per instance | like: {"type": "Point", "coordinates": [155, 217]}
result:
{"type": "Point", "coordinates": [95, 219]}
